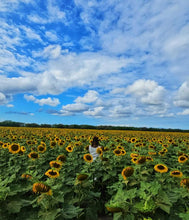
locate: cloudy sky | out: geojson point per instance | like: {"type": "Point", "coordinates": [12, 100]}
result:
{"type": "Point", "coordinates": [109, 62]}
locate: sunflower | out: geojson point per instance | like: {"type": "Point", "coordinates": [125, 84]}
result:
{"type": "Point", "coordinates": [23, 149]}
{"type": "Point", "coordinates": [182, 159]}
{"type": "Point", "coordinates": [61, 158]}
{"type": "Point", "coordinates": [152, 153]}
{"type": "Point", "coordinates": [26, 176]}
{"type": "Point", "coordinates": [88, 158]}
{"type": "Point", "coordinates": [123, 152]}
{"type": "Point", "coordinates": [134, 160]}
{"type": "Point", "coordinates": [151, 147]}
{"type": "Point", "coordinates": [81, 177]}
{"type": "Point", "coordinates": [5, 145]}
{"type": "Point", "coordinates": [53, 144]}
{"type": "Point", "coordinates": [176, 173]}
{"type": "Point", "coordinates": [117, 152]}
{"type": "Point", "coordinates": [132, 155]}
{"type": "Point", "coordinates": [99, 150]}
{"type": "Point", "coordinates": [69, 148]}
{"type": "Point", "coordinates": [33, 155]}
{"type": "Point", "coordinates": [41, 148]}
{"type": "Point", "coordinates": [161, 153]}
{"type": "Point", "coordinates": [41, 188]}
{"type": "Point", "coordinates": [148, 158]}
{"type": "Point", "coordinates": [161, 168]}
{"type": "Point", "coordinates": [133, 140]}
{"type": "Point", "coordinates": [14, 148]}
{"type": "Point", "coordinates": [127, 172]}
{"type": "Point", "coordinates": [55, 164]}
{"type": "Point", "coordinates": [141, 160]}
{"type": "Point", "coordinates": [52, 173]}
{"type": "Point", "coordinates": [185, 182]}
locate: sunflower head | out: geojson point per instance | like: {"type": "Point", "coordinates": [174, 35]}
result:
{"type": "Point", "coordinates": [185, 182]}
{"type": "Point", "coordinates": [26, 176]}
{"type": "Point", "coordinates": [117, 152]}
{"type": "Point", "coordinates": [53, 144]}
{"type": "Point", "coordinates": [61, 158]}
{"type": "Point", "coordinates": [127, 172]}
{"type": "Point", "coordinates": [99, 150]}
{"type": "Point", "coordinates": [41, 148]}
{"type": "Point", "coordinates": [41, 188]}
{"type": "Point", "coordinates": [52, 173]}
{"type": "Point", "coordinates": [14, 148]}
{"type": "Point", "coordinates": [182, 159]}
{"type": "Point", "coordinates": [161, 168]}
{"type": "Point", "coordinates": [123, 152]}
{"type": "Point", "coordinates": [69, 148]}
{"type": "Point", "coordinates": [141, 160]}
{"type": "Point", "coordinates": [33, 155]}
{"type": "Point", "coordinates": [176, 173]}
{"type": "Point", "coordinates": [88, 158]}
{"type": "Point", "coordinates": [55, 164]}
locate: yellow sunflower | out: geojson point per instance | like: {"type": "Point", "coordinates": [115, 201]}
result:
{"type": "Point", "coordinates": [52, 173]}
{"type": "Point", "coordinates": [33, 155]}
{"type": "Point", "coordinates": [41, 188]}
{"type": "Point", "coordinates": [117, 152]}
{"type": "Point", "coordinates": [69, 148]}
{"type": "Point", "coordinates": [41, 148]}
{"type": "Point", "coordinates": [14, 148]}
{"type": "Point", "coordinates": [134, 160]}
{"type": "Point", "coordinates": [141, 160]}
{"type": "Point", "coordinates": [176, 173]}
{"type": "Point", "coordinates": [182, 159]}
{"type": "Point", "coordinates": [161, 168]}
{"type": "Point", "coordinates": [61, 158]}
{"type": "Point", "coordinates": [185, 182]}
{"type": "Point", "coordinates": [88, 158]}
{"type": "Point", "coordinates": [99, 150]}
{"type": "Point", "coordinates": [26, 176]}
{"type": "Point", "coordinates": [5, 145]}
{"type": "Point", "coordinates": [55, 164]}
{"type": "Point", "coordinates": [127, 172]}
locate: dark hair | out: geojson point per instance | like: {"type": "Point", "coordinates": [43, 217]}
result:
{"type": "Point", "coordinates": [95, 142]}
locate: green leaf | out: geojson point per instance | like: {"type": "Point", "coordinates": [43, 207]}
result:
{"type": "Point", "coordinates": [14, 206]}
{"type": "Point", "coordinates": [49, 215]}
{"type": "Point", "coordinates": [118, 216]}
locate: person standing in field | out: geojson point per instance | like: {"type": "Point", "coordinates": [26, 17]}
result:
{"type": "Point", "coordinates": [93, 147]}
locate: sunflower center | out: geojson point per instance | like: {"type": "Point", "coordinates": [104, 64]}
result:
{"type": "Point", "coordinates": [161, 167]}
{"type": "Point", "coordinates": [182, 158]}
{"type": "Point", "coordinates": [88, 157]}
{"type": "Point", "coordinates": [14, 147]}
{"type": "Point", "coordinates": [53, 173]}
{"type": "Point", "coordinates": [34, 155]}
{"type": "Point", "coordinates": [176, 173]}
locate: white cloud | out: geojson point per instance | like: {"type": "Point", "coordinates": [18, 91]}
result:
{"type": "Point", "coordinates": [184, 112]}
{"type": "Point", "coordinates": [51, 36]}
{"type": "Point", "coordinates": [50, 52]}
{"type": "Point", "coordinates": [89, 97]}
{"type": "Point", "coordinates": [10, 105]}
{"type": "Point", "coordinates": [43, 101]}
{"type": "Point", "coordinates": [2, 98]}
{"type": "Point", "coordinates": [53, 14]}
{"type": "Point", "coordinates": [182, 96]}
{"type": "Point", "coordinates": [148, 91]}
{"type": "Point", "coordinates": [96, 112]}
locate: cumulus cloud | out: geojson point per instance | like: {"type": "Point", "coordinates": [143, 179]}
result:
{"type": "Point", "coordinates": [44, 101]}
{"type": "Point", "coordinates": [182, 96]}
{"type": "Point", "coordinates": [89, 97]}
{"type": "Point", "coordinates": [147, 91]}
{"type": "Point", "coordinates": [96, 112]}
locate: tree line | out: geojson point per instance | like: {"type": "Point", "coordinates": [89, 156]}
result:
{"type": "Point", "coordinates": [9, 123]}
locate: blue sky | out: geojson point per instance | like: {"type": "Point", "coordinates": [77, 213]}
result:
{"type": "Point", "coordinates": [95, 62]}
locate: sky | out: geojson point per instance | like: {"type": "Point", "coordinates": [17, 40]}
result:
{"type": "Point", "coordinates": [108, 62]}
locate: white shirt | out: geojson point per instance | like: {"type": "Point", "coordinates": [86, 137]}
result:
{"type": "Point", "coordinates": [92, 151]}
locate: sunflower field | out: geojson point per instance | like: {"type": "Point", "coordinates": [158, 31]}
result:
{"type": "Point", "coordinates": [48, 174]}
